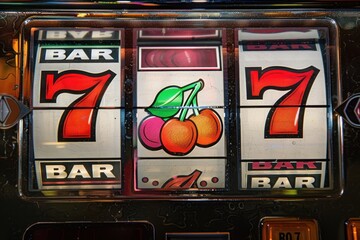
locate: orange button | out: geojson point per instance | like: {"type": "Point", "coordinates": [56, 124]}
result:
{"type": "Point", "coordinates": [289, 229]}
{"type": "Point", "coordinates": [353, 229]}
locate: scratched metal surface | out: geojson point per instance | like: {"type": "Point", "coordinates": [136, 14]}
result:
{"type": "Point", "coordinates": [240, 218]}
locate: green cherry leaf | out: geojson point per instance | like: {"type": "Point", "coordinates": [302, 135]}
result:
{"type": "Point", "coordinates": [167, 102]}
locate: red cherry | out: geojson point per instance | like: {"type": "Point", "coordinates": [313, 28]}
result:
{"type": "Point", "coordinates": [178, 137]}
{"type": "Point", "coordinates": [209, 127]}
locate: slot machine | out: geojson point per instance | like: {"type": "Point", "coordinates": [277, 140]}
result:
{"type": "Point", "coordinates": [179, 120]}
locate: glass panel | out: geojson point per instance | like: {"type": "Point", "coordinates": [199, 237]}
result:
{"type": "Point", "coordinates": [283, 102]}
{"type": "Point", "coordinates": [180, 109]}
{"type": "Point", "coordinates": [76, 92]}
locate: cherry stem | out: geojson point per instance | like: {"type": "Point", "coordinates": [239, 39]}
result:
{"type": "Point", "coordinates": [191, 85]}
{"type": "Point", "coordinates": [195, 109]}
{"type": "Point", "coordinates": [192, 99]}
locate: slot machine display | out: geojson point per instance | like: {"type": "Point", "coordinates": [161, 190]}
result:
{"type": "Point", "coordinates": [179, 120]}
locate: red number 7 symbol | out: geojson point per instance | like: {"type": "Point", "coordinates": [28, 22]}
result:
{"type": "Point", "coordinates": [78, 121]}
{"type": "Point", "coordinates": [286, 116]}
